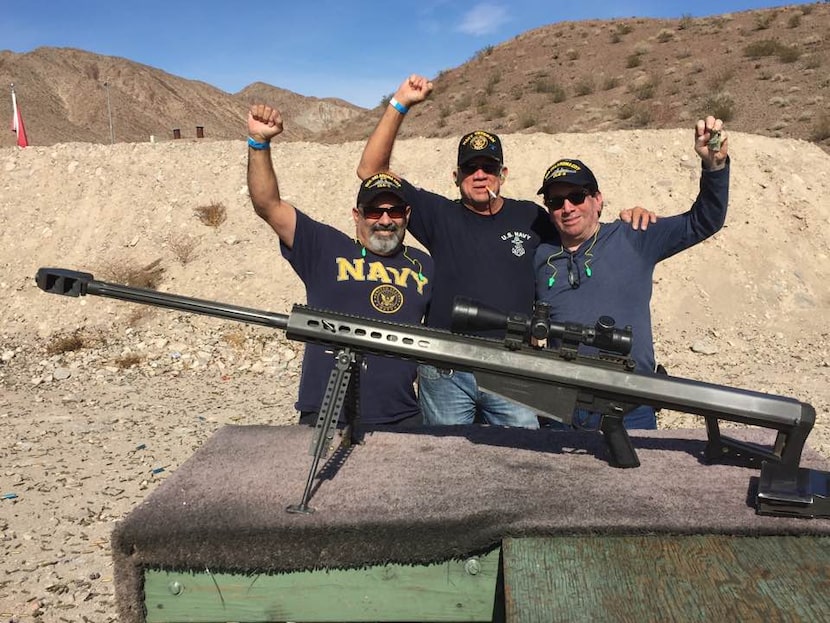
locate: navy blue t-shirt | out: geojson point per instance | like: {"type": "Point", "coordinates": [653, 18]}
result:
{"type": "Point", "coordinates": [394, 288]}
{"type": "Point", "coordinates": [615, 268]}
{"type": "Point", "coordinates": [488, 258]}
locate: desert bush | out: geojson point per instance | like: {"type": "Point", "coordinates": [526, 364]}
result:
{"type": "Point", "coordinates": [633, 60]}
{"type": "Point", "coordinates": [721, 105]}
{"type": "Point", "coordinates": [527, 121]}
{"type": "Point", "coordinates": [616, 37]}
{"type": "Point", "coordinates": [66, 343]}
{"type": "Point", "coordinates": [571, 54]}
{"type": "Point", "coordinates": [559, 94]}
{"type": "Point", "coordinates": [685, 22]}
{"type": "Point", "coordinates": [464, 102]}
{"type": "Point", "coordinates": [812, 62]}
{"type": "Point", "coordinates": [611, 82]}
{"type": "Point", "coordinates": [665, 35]}
{"type": "Point", "coordinates": [716, 80]}
{"type": "Point", "coordinates": [623, 28]}
{"type": "Point", "coordinates": [127, 361]}
{"type": "Point", "coordinates": [213, 214]}
{"type": "Point", "coordinates": [764, 20]}
{"type": "Point", "coordinates": [129, 274]}
{"type": "Point", "coordinates": [761, 48]}
{"type": "Point", "coordinates": [646, 89]}
{"type": "Point", "coordinates": [626, 111]}
{"type": "Point", "coordinates": [821, 130]}
{"type": "Point", "coordinates": [643, 116]}
{"type": "Point", "coordinates": [485, 51]}
{"type": "Point", "coordinates": [585, 86]}
{"type": "Point", "coordinates": [235, 338]}
{"type": "Point", "coordinates": [139, 314]}
{"type": "Point", "coordinates": [492, 81]}
{"type": "Point", "coordinates": [789, 54]}
{"type": "Point", "coordinates": [794, 21]}
{"type": "Point", "coordinates": [183, 247]}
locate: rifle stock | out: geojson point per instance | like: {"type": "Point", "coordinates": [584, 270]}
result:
{"type": "Point", "coordinates": [538, 378]}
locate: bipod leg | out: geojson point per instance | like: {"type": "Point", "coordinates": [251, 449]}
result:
{"type": "Point", "coordinates": [326, 427]}
{"type": "Point", "coordinates": [352, 434]}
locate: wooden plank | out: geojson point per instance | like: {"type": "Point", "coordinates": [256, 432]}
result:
{"type": "Point", "coordinates": [452, 591]}
{"type": "Point", "coordinates": [667, 578]}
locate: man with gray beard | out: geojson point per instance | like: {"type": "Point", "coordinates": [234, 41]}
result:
{"type": "Point", "coordinates": [374, 275]}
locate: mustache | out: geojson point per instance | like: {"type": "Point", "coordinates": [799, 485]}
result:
{"type": "Point", "coordinates": [387, 227]}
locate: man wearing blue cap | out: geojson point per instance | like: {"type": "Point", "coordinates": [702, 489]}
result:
{"type": "Point", "coordinates": [593, 269]}
{"type": "Point", "coordinates": [373, 274]}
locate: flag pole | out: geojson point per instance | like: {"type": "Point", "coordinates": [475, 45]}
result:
{"type": "Point", "coordinates": [17, 122]}
{"type": "Point", "coordinates": [109, 110]}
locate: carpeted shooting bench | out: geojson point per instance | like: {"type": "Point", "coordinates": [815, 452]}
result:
{"type": "Point", "coordinates": [466, 524]}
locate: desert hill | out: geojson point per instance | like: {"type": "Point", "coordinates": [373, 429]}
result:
{"type": "Point", "coordinates": [766, 72]}
{"type": "Point", "coordinates": [63, 95]}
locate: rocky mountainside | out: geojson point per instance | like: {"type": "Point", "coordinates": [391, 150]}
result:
{"type": "Point", "coordinates": [766, 72]}
{"type": "Point", "coordinates": [63, 95]}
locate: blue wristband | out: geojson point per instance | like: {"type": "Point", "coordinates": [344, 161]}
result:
{"type": "Point", "coordinates": [398, 106]}
{"type": "Point", "coordinates": [257, 145]}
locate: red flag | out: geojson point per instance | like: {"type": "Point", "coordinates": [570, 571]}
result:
{"type": "Point", "coordinates": [17, 124]}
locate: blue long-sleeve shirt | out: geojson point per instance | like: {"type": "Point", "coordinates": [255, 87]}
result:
{"type": "Point", "coordinates": [614, 268]}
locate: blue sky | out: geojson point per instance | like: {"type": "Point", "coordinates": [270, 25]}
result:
{"type": "Point", "coordinates": [359, 50]}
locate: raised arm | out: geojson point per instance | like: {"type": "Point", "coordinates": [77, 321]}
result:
{"type": "Point", "coordinates": [264, 123]}
{"type": "Point", "coordinates": [378, 150]}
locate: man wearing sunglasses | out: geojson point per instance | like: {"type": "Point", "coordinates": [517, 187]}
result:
{"type": "Point", "coordinates": [374, 275]}
{"type": "Point", "coordinates": [593, 269]}
{"type": "Point", "coordinates": [483, 246]}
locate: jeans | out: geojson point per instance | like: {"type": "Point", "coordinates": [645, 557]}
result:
{"type": "Point", "coordinates": [642, 417]}
{"type": "Point", "coordinates": [450, 397]}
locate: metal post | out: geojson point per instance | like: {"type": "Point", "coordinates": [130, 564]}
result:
{"type": "Point", "coordinates": [109, 111]}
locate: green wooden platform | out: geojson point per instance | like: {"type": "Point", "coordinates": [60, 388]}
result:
{"type": "Point", "coordinates": [545, 580]}
{"type": "Point", "coordinates": [453, 591]}
{"type": "Point", "coordinates": [667, 578]}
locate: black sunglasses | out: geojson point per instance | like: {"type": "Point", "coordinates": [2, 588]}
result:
{"type": "Point", "coordinates": [373, 213]}
{"type": "Point", "coordinates": [490, 168]}
{"type": "Point", "coordinates": [576, 198]}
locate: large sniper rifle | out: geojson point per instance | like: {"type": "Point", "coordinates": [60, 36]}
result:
{"type": "Point", "coordinates": [553, 382]}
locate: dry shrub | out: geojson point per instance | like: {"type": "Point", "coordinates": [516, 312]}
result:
{"type": "Point", "coordinates": [66, 343]}
{"type": "Point", "coordinates": [127, 361]}
{"type": "Point", "coordinates": [235, 338]}
{"type": "Point", "coordinates": [183, 247]}
{"type": "Point", "coordinates": [139, 314]}
{"type": "Point", "coordinates": [821, 131]}
{"type": "Point", "coordinates": [585, 86]}
{"type": "Point", "coordinates": [665, 35]}
{"type": "Point", "coordinates": [765, 20]}
{"type": "Point", "coordinates": [148, 276]}
{"type": "Point", "coordinates": [721, 105]}
{"type": "Point", "coordinates": [716, 80]}
{"type": "Point", "coordinates": [212, 214]}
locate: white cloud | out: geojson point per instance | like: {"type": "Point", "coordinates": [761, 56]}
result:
{"type": "Point", "coordinates": [483, 19]}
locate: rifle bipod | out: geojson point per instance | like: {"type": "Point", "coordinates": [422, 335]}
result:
{"type": "Point", "coordinates": [342, 389]}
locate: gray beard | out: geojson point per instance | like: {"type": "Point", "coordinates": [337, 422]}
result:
{"type": "Point", "coordinates": [382, 245]}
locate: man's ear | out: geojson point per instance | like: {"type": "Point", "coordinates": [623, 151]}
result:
{"type": "Point", "coordinates": [355, 214]}
{"type": "Point", "coordinates": [455, 178]}
{"type": "Point", "coordinates": [503, 174]}
{"type": "Point", "coordinates": [601, 204]}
